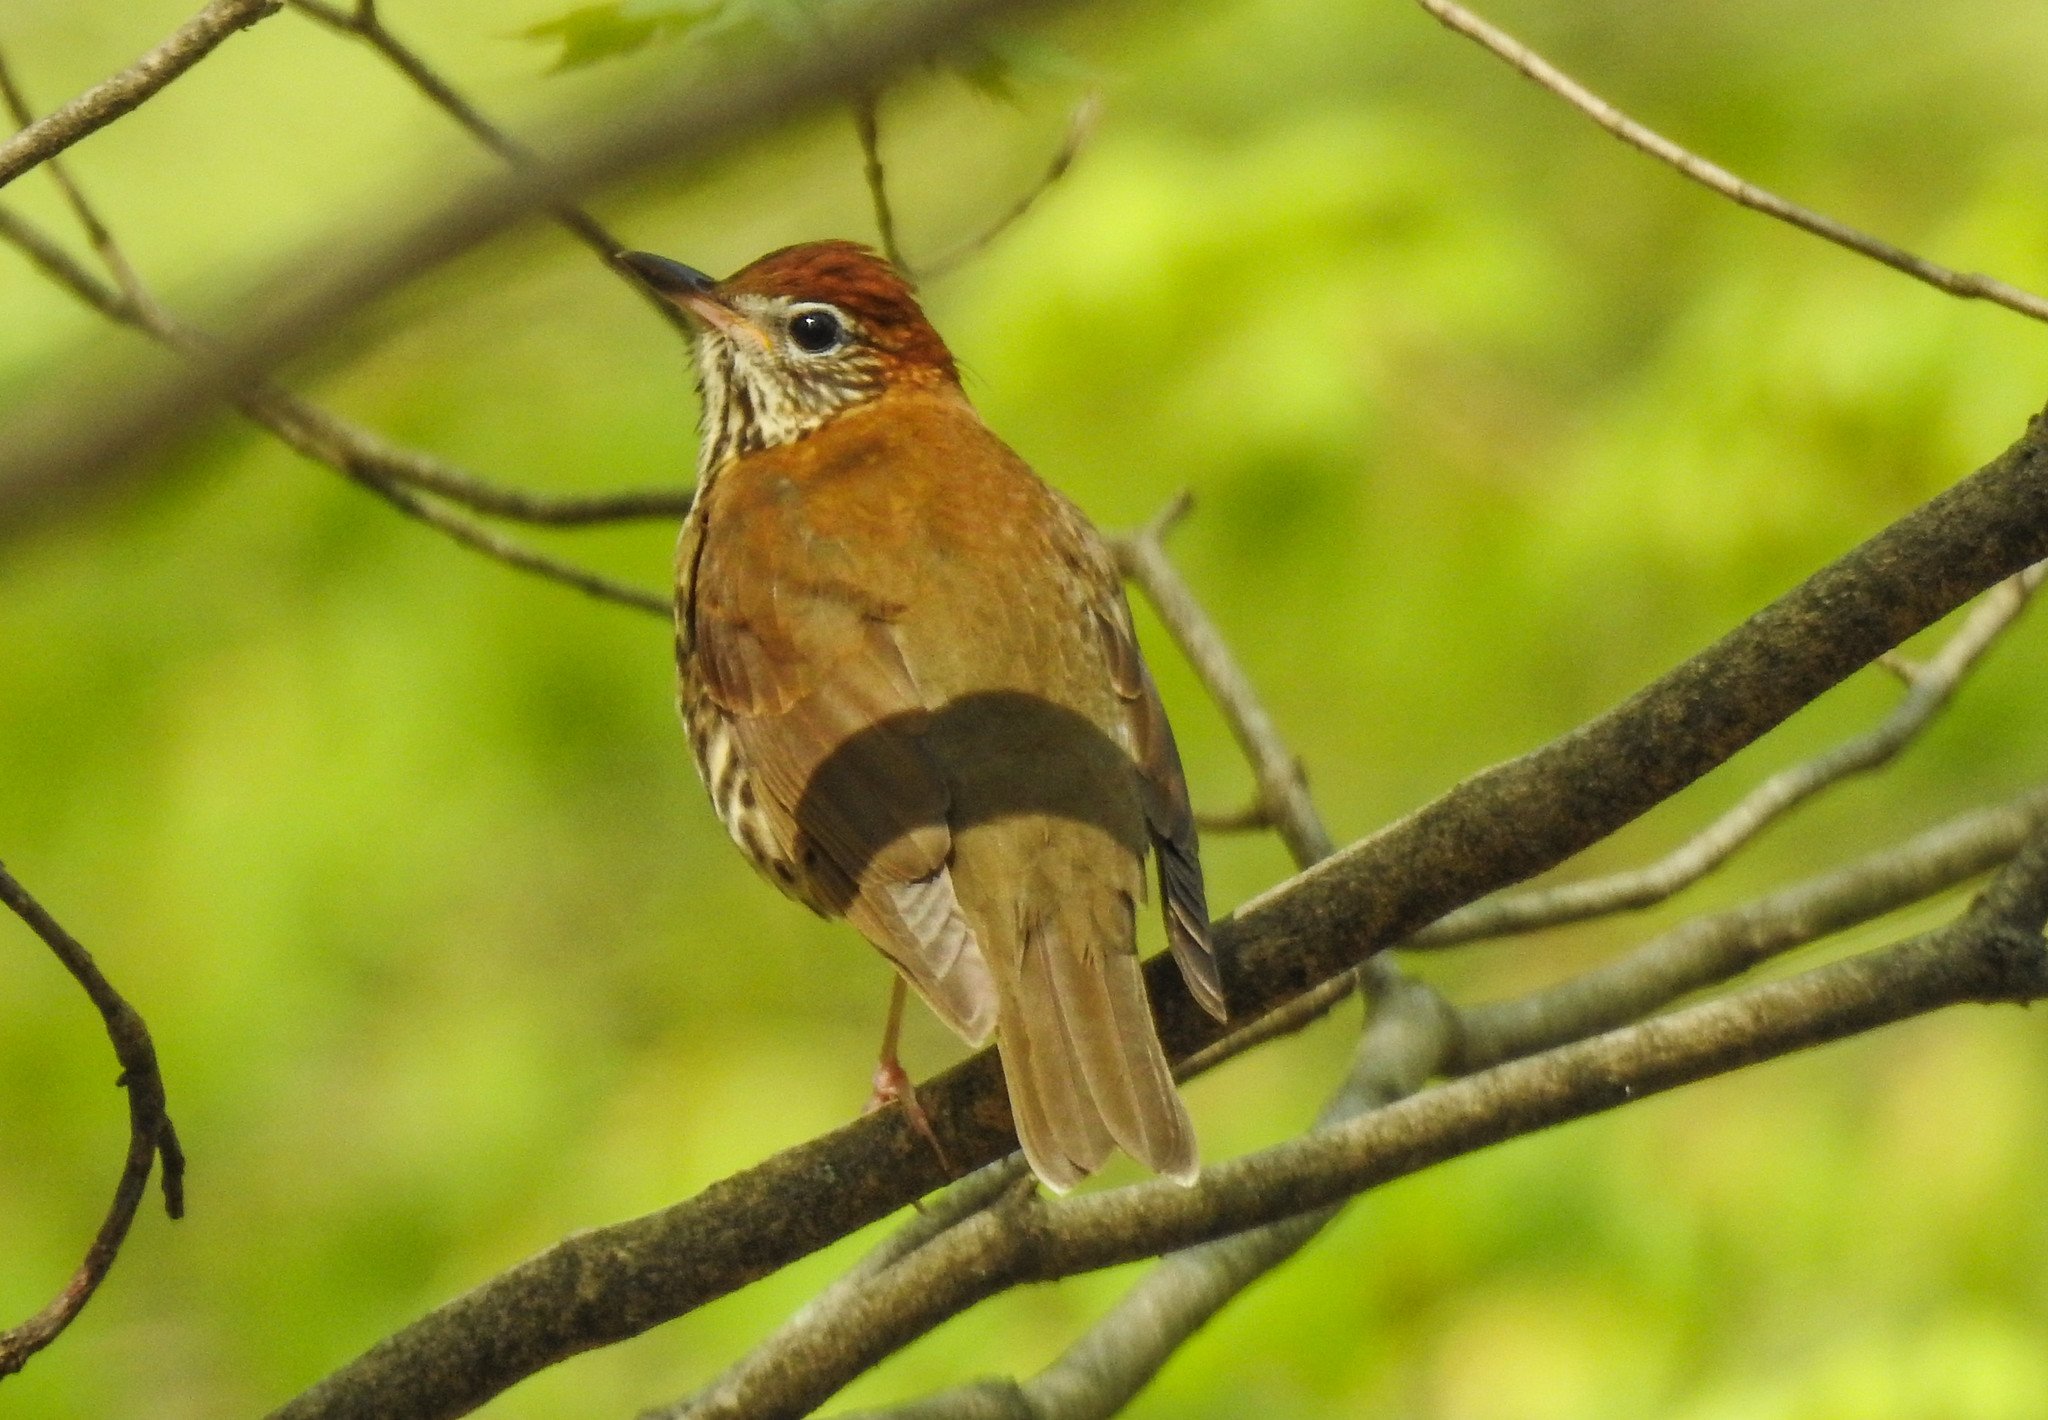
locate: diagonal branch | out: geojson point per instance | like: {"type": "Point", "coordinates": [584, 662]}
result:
{"type": "Point", "coordinates": [150, 1134]}
{"type": "Point", "coordinates": [1283, 800]}
{"type": "Point", "coordinates": [106, 101]}
{"type": "Point", "coordinates": [364, 23]}
{"type": "Point", "coordinates": [1412, 1035]}
{"type": "Point", "coordinates": [385, 470]}
{"type": "Point", "coordinates": [1503, 825]}
{"type": "Point", "coordinates": [1080, 128]}
{"type": "Point", "coordinates": [1993, 953]}
{"type": "Point", "coordinates": [1930, 687]}
{"type": "Point", "coordinates": [1968, 285]}
{"type": "Point", "coordinates": [684, 124]}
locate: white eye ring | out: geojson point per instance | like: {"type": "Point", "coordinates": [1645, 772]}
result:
{"type": "Point", "coordinates": [816, 330]}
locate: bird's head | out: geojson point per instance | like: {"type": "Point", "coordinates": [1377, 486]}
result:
{"type": "Point", "coordinates": [795, 338]}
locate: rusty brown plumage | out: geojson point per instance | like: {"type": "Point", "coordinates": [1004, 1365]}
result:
{"type": "Point", "coordinates": [911, 685]}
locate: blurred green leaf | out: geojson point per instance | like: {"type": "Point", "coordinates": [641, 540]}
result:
{"type": "Point", "coordinates": [997, 64]}
{"type": "Point", "coordinates": [592, 33]}
{"type": "Point", "coordinates": [1000, 64]}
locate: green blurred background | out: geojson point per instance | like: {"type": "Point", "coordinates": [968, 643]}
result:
{"type": "Point", "coordinates": [1488, 420]}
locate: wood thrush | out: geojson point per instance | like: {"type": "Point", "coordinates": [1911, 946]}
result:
{"type": "Point", "coordinates": [910, 683]}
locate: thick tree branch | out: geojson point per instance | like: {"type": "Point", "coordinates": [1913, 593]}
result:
{"type": "Point", "coordinates": [1500, 826]}
{"type": "Point", "coordinates": [150, 1134]}
{"type": "Point", "coordinates": [106, 101]}
{"type": "Point", "coordinates": [1994, 953]}
{"type": "Point", "coordinates": [1930, 687]}
{"type": "Point", "coordinates": [1412, 1035]}
{"type": "Point", "coordinates": [1968, 285]}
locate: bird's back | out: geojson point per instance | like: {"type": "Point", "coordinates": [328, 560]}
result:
{"type": "Point", "coordinates": [923, 618]}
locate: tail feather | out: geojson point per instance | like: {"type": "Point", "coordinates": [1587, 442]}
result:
{"type": "Point", "coordinates": [1116, 1049]}
{"type": "Point", "coordinates": [1060, 1129]}
{"type": "Point", "coordinates": [1085, 1067]}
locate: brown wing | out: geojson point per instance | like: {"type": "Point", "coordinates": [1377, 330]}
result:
{"type": "Point", "coordinates": [1169, 814]}
{"type": "Point", "coordinates": [822, 714]}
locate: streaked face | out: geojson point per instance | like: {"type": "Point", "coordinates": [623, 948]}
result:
{"type": "Point", "coordinates": [795, 338]}
{"type": "Point", "coordinates": [773, 368]}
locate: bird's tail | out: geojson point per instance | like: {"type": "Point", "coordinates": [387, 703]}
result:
{"type": "Point", "coordinates": [1083, 1060]}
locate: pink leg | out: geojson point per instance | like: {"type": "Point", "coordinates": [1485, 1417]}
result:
{"type": "Point", "coordinates": [892, 1083]}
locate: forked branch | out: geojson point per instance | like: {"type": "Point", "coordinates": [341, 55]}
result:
{"type": "Point", "coordinates": [866, 126]}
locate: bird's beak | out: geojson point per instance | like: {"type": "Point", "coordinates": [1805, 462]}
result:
{"type": "Point", "coordinates": [690, 289]}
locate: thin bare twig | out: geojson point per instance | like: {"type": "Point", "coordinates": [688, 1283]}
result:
{"type": "Point", "coordinates": [1281, 801]}
{"type": "Point", "coordinates": [1282, 789]}
{"type": "Point", "coordinates": [1720, 946]}
{"type": "Point", "coordinates": [866, 125]}
{"type": "Point", "coordinates": [351, 450]}
{"type": "Point", "coordinates": [1248, 818]}
{"type": "Point", "coordinates": [1930, 687]}
{"type": "Point", "coordinates": [72, 452]}
{"type": "Point", "coordinates": [1080, 128]}
{"type": "Point", "coordinates": [108, 100]}
{"type": "Point", "coordinates": [1968, 285]}
{"type": "Point", "coordinates": [364, 23]}
{"type": "Point", "coordinates": [19, 110]}
{"type": "Point", "coordinates": [150, 1133]}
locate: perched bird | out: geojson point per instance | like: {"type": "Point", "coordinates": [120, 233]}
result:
{"type": "Point", "coordinates": [910, 683]}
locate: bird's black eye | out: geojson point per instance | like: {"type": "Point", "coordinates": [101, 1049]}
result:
{"type": "Point", "coordinates": [816, 331]}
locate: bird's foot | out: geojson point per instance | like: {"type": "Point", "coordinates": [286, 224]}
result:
{"type": "Point", "coordinates": [892, 1086]}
